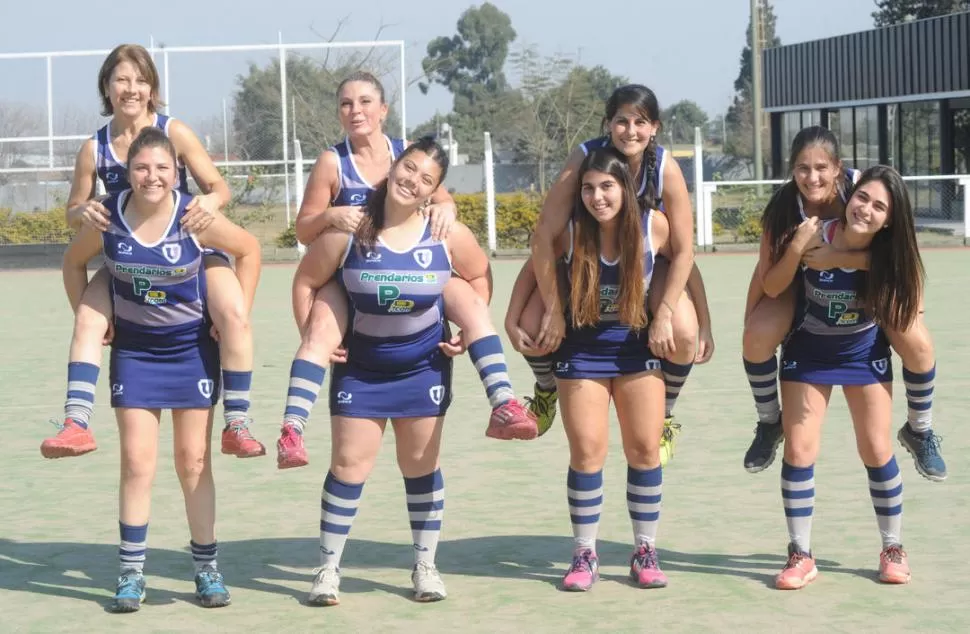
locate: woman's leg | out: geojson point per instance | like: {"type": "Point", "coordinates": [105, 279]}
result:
{"type": "Point", "coordinates": [871, 407]}
{"type": "Point", "coordinates": [138, 435]}
{"type": "Point", "coordinates": [418, 447]}
{"type": "Point", "coordinates": [804, 411]}
{"type": "Point", "coordinates": [915, 347]}
{"type": "Point", "coordinates": [544, 395]}
{"type": "Point", "coordinates": [639, 403]}
{"type": "Point", "coordinates": [193, 465]}
{"type": "Point", "coordinates": [585, 416]}
{"type": "Point", "coordinates": [466, 308]}
{"type": "Point", "coordinates": [355, 445]}
{"type": "Point", "coordinates": [677, 368]}
{"type": "Point", "coordinates": [320, 338]}
{"type": "Point", "coordinates": [767, 321]}
{"type": "Point", "coordinates": [92, 330]}
{"type": "Point", "coordinates": [227, 307]}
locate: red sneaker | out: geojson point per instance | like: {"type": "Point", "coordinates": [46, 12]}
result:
{"type": "Point", "coordinates": [289, 449]}
{"type": "Point", "coordinates": [798, 572]}
{"type": "Point", "coordinates": [238, 441]}
{"type": "Point", "coordinates": [72, 440]}
{"type": "Point", "coordinates": [512, 421]}
{"type": "Point", "coordinates": [893, 567]}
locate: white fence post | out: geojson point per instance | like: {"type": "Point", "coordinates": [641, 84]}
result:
{"type": "Point", "coordinates": [490, 195]}
{"type": "Point", "coordinates": [708, 191]}
{"type": "Point", "coordinates": [286, 146]}
{"type": "Point", "coordinates": [966, 209]}
{"type": "Point", "coordinates": [698, 183]}
{"type": "Point", "coordinates": [298, 169]}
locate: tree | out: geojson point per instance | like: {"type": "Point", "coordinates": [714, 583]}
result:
{"type": "Point", "coordinates": [680, 120]}
{"type": "Point", "coordinates": [739, 117]}
{"type": "Point", "coordinates": [891, 12]}
{"type": "Point", "coordinates": [469, 64]}
{"type": "Point", "coordinates": [312, 109]}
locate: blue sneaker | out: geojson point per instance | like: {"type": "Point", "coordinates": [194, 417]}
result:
{"type": "Point", "coordinates": [130, 592]}
{"type": "Point", "coordinates": [210, 589]}
{"type": "Point", "coordinates": [925, 450]}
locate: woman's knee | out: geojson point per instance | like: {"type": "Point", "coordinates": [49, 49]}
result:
{"type": "Point", "coordinates": [191, 462]}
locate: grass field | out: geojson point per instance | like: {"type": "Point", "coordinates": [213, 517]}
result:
{"type": "Point", "coordinates": [506, 535]}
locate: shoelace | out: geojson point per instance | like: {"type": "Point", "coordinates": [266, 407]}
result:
{"type": "Point", "coordinates": [794, 559]}
{"type": "Point", "coordinates": [128, 583]}
{"type": "Point", "coordinates": [894, 554]}
{"type": "Point", "coordinates": [646, 558]}
{"type": "Point", "coordinates": [930, 447]}
{"type": "Point", "coordinates": [212, 578]}
{"type": "Point", "coordinates": [582, 563]}
{"type": "Point", "coordinates": [668, 432]}
{"type": "Point", "coordinates": [56, 423]}
{"type": "Point", "coordinates": [539, 405]}
{"type": "Point", "coordinates": [240, 427]}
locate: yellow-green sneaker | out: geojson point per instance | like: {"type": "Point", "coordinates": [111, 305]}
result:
{"type": "Point", "coordinates": [668, 440]}
{"type": "Point", "coordinates": [543, 407]}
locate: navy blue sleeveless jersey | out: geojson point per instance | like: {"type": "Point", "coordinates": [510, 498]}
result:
{"type": "Point", "coordinates": [834, 340]}
{"type": "Point", "coordinates": [354, 190]}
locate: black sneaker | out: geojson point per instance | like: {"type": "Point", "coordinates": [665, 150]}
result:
{"type": "Point", "coordinates": [761, 453]}
{"type": "Point", "coordinates": [925, 450]}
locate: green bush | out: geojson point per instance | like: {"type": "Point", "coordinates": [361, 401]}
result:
{"type": "Point", "coordinates": [515, 217]}
{"type": "Point", "coordinates": [34, 227]}
{"type": "Point", "coordinates": [287, 239]}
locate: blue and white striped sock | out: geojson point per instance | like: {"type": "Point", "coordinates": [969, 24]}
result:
{"type": "Point", "coordinates": [643, 494]}
{"type": "Point", "coordinates": [798, 496]}
{"type": "Point", "coordinates": [489, 360]}
{"type": "Point", "coordinates": [886, 490]}
{"type": "Point", "coordinates": [426, 509]}
{"type": "Point", "coordinates": [675, 375]}
{"type": "Point", "coordinates": [131, 551]}
{"type": "Point", "coordinates": [235, 398]}
{"type": "Point", "coordinates": [763, 379]}
{"type": "Point", "coordinates": [81, 381]}
{"type": "Point", "coordinates": [919, 399]}
{"type": "Point", "coordinates": [584, 492]}
{"type": "Point", "coordinates": [204, 555]}
{"type": "Point", "coordinates": [306, 379]}
{"type": "Point", "coordinates": [338, 508]}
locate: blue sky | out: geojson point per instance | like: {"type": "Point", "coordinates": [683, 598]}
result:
{"type": "Point", "coordinates": [688, 49]}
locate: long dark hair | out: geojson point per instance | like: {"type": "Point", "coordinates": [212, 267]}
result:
{"type": "Point", "coordinates": [374, 217]}
{"type": "Point", "coordinates": [781, 217]}
{"type": "Point", "coordinates": [584, 294]}
{"type": "Point", "coordinates": [644, 101]}
{"type": "Point", "coordinates": [893, 287]}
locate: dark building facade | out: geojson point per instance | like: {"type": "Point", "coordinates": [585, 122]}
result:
{"type": "Point", "coordinates": [898, 95]}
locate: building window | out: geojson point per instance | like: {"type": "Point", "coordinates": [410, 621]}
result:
{"type": "Point", "coordinates": [791, 123]}
{"type": "Point", "coordinates": [866, 137]}
{"type": "Point", "coordinates": [846, 135]}
{"type": "Point", "coordinates": [811, 117]}
{"type": "Point", "coordinates": [919, 124]}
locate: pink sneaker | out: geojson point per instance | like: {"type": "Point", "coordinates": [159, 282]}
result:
{"type": "Point", "coordinates": [512, 421]}
{"type": "Point", "coordinates": [893, 567]}
{"type": "Point", "coordinates": [289, 449]}
{"type": "Point", "coordinates": [71, 440]}
{"type": "Point", "coordinates": [798, 572]}
{"type": "Point", "coordinates": [645, 568]}
{"type": "Point", "coordinates": [583, 573]}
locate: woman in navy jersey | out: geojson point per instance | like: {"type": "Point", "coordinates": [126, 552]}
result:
{"type": "Point", "coordinates": [162, 353]}
{"type": "Point", "coordinates": [838, 340]}
{"type": "Point", "coordinates": [337, 192]}
{"type": "Point", "coordinates": [129, 89]}
{"type": "Point", "coordinates": [680, 334]}
{"type": "Point", "coordinates": [818, 190]}
{"type": "Point", "coordinates": [609, 250]}
{"type": "Point", "coordinates": [393, 271]}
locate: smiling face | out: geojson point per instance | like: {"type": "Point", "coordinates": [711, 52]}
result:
{"type": "Point", "coordinates": [816, 173]}
{"type": "Point", "coordinates": [631, 130]}
{"type": "Point", "coordinates": [152, 174]}
{"type": "Point", "coordinates": [129, 91]}
{"type": "Point", "coordinates": [869, 210]}
{"type": "Point", "coordinates": [602, 196]}
{"type": "Point", "coordinates": [413, 179]}
{"type": "Point", "coordinates": [362, 111]}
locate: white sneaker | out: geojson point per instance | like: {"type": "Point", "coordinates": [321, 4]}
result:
{"type": "Point", "coordinates": [326, 586]}
{"type": "Point", "coordinates": [428, 585]}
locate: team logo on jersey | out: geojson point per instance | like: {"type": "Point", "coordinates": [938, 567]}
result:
{"type": "Point", "coordinates": [372, 256]}
{"type": "Point", "coordinates": [205, 387]}
{"type": "Point", "coordinates": [172, 252]}
{"type": "Point", "coordinates": [423, 257]}
{"type": "Point", "coordinates": [156, 297]}
{"type": "Point", "coordinates": [401, 306]}
{"type": "Point", "coordinates": [562, 366]}
{"type": "Point", "coordinates": [437, 394]}
{"type": "Point", "coordinates": [358, 199]}
{"type": "Point", "coordinates": [790, 365]}
{"type": "Point", "coordinates": [117, 389]}
{"type": "Point", "coordinates": [112, 177]}
{"type": "Point", "coordinates": [880, 365]}
{"type": "Point", "coordinates": [653, 364]}
{"type": "Point", "coordinates": [124, 248]}
{"type": "Point", "coordinates": [850, 318]}
{"type": "Point", "coordinates": [826, 276]}
{"type": "Point", "coordinates": [344, 398]}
